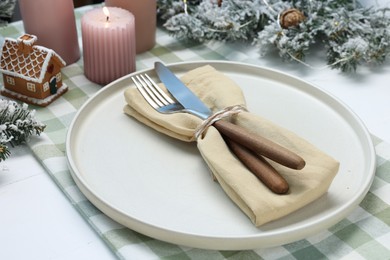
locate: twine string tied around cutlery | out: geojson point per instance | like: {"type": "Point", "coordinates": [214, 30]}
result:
{"type": "Point", "coordinates": [224, 113]}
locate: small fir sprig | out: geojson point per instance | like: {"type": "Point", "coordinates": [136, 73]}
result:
{"type": "Point", "coordinates": [6, 11]}
{"type": "Point", "coordinates": [350, 34]}
{"type": "Point", "coordinates": [17, 124]}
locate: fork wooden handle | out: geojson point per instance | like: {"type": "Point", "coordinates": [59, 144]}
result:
{"type": "Point", "coordinates": [260, 145]}
{"type": "Point", "coordinates": [259, 167]}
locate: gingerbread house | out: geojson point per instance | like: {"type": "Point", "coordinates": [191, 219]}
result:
{"type": "Point", "coordinates": [31, 73]}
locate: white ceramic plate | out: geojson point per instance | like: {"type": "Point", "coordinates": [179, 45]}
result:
{"type": "Point", "coordinates": [161, 187]}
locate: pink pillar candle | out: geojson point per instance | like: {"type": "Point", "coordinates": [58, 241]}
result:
{"type": "Point", "coordinates": [145, 14]}
{"type": "Point", "coordinates": [54, 24]}
{"type": "Point", "coordinates": [108, 44]}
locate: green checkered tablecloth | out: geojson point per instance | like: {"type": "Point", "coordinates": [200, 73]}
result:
{"type": "Point", "coordinates": [365, 233]}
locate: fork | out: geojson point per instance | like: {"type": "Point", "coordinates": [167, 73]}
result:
{"type": "Point", "coordinates": [163, 103]}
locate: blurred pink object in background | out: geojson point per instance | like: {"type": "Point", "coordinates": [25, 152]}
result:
{"type": "Point", "coordinates": [53, 22]}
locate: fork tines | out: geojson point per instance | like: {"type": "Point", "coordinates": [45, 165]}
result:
{"type": "Point", "coordinates": [152, 93]}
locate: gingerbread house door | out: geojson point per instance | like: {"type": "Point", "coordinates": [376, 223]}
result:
{"type": "Point", "coordinates": [53, 85]}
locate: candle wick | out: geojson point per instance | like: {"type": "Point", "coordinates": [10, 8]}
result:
{"type": "Point", "coordinates": [107, 19]}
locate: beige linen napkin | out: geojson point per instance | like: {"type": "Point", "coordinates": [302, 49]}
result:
{"type": "Point", "coordinates": [259, 203]}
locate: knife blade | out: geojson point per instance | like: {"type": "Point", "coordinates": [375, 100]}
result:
{"type": "Point", "coordinates": [240, 135]}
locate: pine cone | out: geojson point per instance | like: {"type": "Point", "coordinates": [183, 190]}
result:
{"type": "Point", "coordinates": [291, 17]}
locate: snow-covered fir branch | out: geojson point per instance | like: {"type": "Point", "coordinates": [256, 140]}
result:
{"type": "Point", "coordinates": [17, 124]}
{"type": "Point", "coordinates": [6, 11]}
{"type": "Point", "coordinates": [350, 33]}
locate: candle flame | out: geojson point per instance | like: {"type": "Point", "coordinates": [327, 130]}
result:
{"type": "Point", "coordinates": [185, 6]}
{"type": "Point", "coordinates": [107, 13]}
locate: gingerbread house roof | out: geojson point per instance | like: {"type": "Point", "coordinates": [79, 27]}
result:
{"type": "Point", "coordinates": [21, 58]}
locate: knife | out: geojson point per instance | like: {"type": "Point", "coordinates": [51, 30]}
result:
{"type": "Point", "coordinates": [255, 143]}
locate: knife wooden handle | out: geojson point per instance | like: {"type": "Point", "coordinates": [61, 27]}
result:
{"type": "Point", "coordinates": [259, 167]}
{"type": "Point", "coordinates": [260, 145]}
